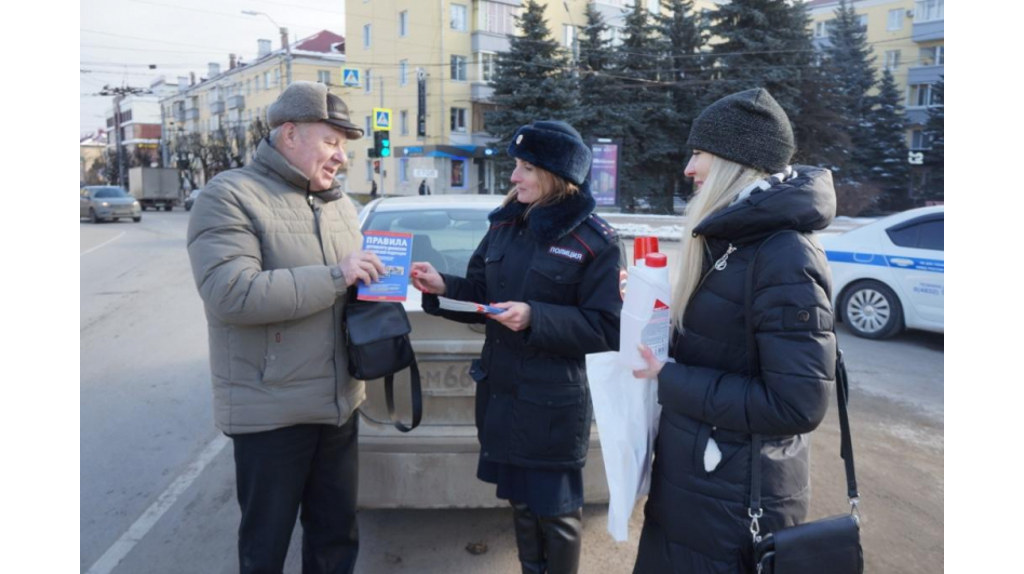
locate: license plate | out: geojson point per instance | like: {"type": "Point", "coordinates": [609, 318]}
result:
{"type": "Point", "coordinates": [446, 379]}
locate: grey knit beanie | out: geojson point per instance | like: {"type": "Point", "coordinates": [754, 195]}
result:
{"type": "Point", "coordinates": [749, 128]}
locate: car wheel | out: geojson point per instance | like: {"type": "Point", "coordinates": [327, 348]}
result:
{"type": "Point", "coordinates": [137, 219]}
{"type": "Point", "coordinates": [871, 310]}
{"type": "Point", "coordinates": [92, 216]}
{"type": "Point", "coordinates": [143, 207]}
{"type": "Point", "coordinates": [168, 207]}
{"type": "Point", "coordinates": [188, 207]}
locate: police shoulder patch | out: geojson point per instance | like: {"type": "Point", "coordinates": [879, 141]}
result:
{"type": "Point", "coordinates": [602, 227]}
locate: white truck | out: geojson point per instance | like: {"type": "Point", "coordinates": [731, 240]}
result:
{"type": "Point", "coordinates": [155, 187]}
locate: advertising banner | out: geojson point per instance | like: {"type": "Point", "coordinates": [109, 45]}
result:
{"type": "Point", "coordinates": [604, 181]}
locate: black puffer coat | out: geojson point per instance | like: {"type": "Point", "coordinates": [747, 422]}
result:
{"type": "Point", "coordinates": [532, 400]}
{"type": "Point", "coordinates": [697, 521]}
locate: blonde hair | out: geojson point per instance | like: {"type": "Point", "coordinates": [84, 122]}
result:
{"type": "Point", "coordinates": [553, 189]}
{"type": "Point", "coordinates": [724, 182]}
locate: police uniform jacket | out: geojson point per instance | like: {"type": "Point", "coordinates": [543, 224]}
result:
{"type": "Point", "coordinates": [532, 401]}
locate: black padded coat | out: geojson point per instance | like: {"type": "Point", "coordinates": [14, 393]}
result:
{"type": "Point", "coordinates": [696, 521]}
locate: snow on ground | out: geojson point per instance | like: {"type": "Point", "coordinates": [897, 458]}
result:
{"type": "Point", "coordinates": [670, 228]}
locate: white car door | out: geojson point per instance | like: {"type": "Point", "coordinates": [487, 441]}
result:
{"type": "Point", "coordinates": [917, 260]}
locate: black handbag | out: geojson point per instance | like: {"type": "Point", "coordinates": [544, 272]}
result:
{"type": "Point", "coordinates": [828, 545]}
{"type": "Point", "coordinates": [379, 346]}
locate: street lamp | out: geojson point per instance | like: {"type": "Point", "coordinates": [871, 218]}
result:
{"type": "Point", "coordinates": [284, 40]}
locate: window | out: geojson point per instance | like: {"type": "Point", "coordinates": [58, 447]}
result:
{"type": "Point", "coordinates": [403, 122]}
{"type": "Point", "coordinates": [497, 18]}
{"type": "Point", "coordinates": [458, 20]}
{"type": "Point", "coordinates": [895, 19]}
{"type": "Point", "coordinates": [367, 81]}
{"type": "Point", "coordinates": [403, 23]}
{"type": "Point", "coordinates": [568, 36]}
{"type": "Point", "coordinates": [277, 76]}
{"type": "Point", "coordinates": [459, 120]}
{"type": "Point", "coordinates": [928, 10]}
{"type": "Point", "coordinates": [821, 29]}
{"type": "Point", "coordinates": [366, 36]}
{"type": "Point", "coordinates": [920, 139]}
{"type": "Point", "coordinates": [926, 232]}
{"type": "Point", "coordinates": [368, 132]}
{"type": "Point", "coordinates": [459, 173]}
{"type": "Point", "coordinates": [459, 68]}
{"type": "Point", "coordinates": [323, 76]}
{"type": "Point", "coordinates": [932, 56]}
{"type": "Point", "coordinates": [892, 60]}
{"type": "Point", "coordinates": [862, 20]}
{"type": "Point", "coordinates": [487, 61]}
{"type": "Point", "coordinates": [403, 169]}
{"type": "Point", "coordinates": [266, 80]}
{"type": "Point", "coordinates": [403, 72]}
{"type": "Point", "coordinates": [920, 95]}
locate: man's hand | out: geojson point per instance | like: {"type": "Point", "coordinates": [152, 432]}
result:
{"type": "Point", "coordinates": [427, 279]}
{"type": "Point", "coordinates": [517, 317]}
{"type": "Point", "coordinates": [654, 366]}
{"type": "Point", "coordinates": [361, 265]}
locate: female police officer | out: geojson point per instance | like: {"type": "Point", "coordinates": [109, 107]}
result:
{"type": "Point", "coordinates": [554, 267]}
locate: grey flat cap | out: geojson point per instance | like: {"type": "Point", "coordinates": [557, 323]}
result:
{"type": "Point", "coordinates": [311, 102]}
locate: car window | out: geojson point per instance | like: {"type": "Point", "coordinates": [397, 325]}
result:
{"type": "Point", "coordinates": [446, 238]}
{"type": "Point", "coordinates": [904, 236]}
{"type": "Point", "coordinates": [110, 192]}
{"type": "Point", "coordinates": [932, 235]}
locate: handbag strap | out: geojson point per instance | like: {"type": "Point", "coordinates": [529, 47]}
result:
{"type": "Point", "coordinates": [417, 398]}
{"type": "Point", "coordinates": [842, 397]}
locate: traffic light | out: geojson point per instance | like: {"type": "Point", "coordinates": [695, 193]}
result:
{"type": "Point", "coordinates": [372, 152]}
{"type": "Point", "coordinates": [382, 143]}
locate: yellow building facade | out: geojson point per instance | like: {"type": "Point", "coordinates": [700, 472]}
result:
{"type": "Point", "coordinates": [430, 62]}
{"type": "Point", "coordinates": [907, 38]}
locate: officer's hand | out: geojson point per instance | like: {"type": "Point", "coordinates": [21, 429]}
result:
{"type": "Point", "coordinates": [427, 279]}
{"type": "Point", "coordinates": [516, 318]}
{"type": "Point", "coordinates": [654, 366]}
{"type": "Point", "coordinates": [361, 265]}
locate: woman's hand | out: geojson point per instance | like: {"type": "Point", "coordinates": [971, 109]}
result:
{"type": "Point", "coordinates": [653, 365]}
{"type": "Point", "coordinates": [427, 279]}
{"type": "Point", "coordinates": [517, 316]}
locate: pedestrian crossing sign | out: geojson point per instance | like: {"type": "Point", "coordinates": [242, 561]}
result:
{"type": "Point", "coordinates": [350, 77]}
{"type": "Point", "coordinates": [381, 119]}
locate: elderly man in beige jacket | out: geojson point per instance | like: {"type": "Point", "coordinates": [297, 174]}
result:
{"type": "Point", "coordinates": [274, 247]}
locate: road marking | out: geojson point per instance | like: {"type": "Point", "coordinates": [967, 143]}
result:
{"type": "Point", "coordinates": [119, 236]}
{"type": "Point", "coordinates": [135, 533]}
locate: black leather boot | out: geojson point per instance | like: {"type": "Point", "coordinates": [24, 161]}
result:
{"type": "Point", "coordinates": [529, 539]}
{"type": "Point", "coordinates": [563, 536]}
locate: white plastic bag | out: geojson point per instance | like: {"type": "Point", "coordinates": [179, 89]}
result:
{"type": "Point", "coordinates": [627, 412]}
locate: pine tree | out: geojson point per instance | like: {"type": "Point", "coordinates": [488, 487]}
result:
{"type": "Point", "coordinates": [533, 81]}
{"type": "Point", "coordinates": [764, 44]}
{"type": "Point", "coordinates": [886, 154]}
{"type": "Point", "coordinates": [849, 62]}
{"type": "Point", "coordinates": [683, 41]}
{"type": "Point", "coordinates": [597, 115]}
{"type": "Point", "coordinates": [934, 156]}
{"type": "Point", "coordinates": [647, 146]}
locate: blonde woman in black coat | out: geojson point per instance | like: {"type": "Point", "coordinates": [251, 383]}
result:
{"type": "Point", "coordinates": [696, 519]}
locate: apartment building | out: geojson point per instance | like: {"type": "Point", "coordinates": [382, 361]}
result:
{"type": "Point", "coordinates": [232, 99]}
{"type": "Point", "coordinates": [134, 122]}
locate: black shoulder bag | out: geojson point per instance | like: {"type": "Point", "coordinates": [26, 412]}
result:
{"type": "Point", "coordinates": [827, 545]}
{"type": "Point", "coordinates": [379, 346]}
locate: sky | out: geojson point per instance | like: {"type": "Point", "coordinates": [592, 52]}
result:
{"type": "Point", "coordinates": [120, 39]}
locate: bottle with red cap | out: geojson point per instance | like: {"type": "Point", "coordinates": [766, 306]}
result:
{"type": "Point", "coordinates": [646, 317]}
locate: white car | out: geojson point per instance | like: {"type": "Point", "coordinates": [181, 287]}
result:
{"type": "Point", "coordinates": [889, 275]}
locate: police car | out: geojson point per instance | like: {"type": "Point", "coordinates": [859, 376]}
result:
{"type": "Point", "coordinates": [889, 275]}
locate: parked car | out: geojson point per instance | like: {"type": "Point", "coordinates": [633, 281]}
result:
{"type": "Point", "coordinates": [435, 465]}
{"type": "Point", "coordinates": [108, 203]}
{"type": "Point", "coordinates": [192, 198]}
{"type": "Point", "coordinates": [889, 275]}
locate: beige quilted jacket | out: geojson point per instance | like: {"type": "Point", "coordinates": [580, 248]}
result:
{"type": "Point", "coordinates": [262, 249]}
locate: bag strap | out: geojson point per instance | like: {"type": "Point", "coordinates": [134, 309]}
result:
{"type": "Point", "coordinates": [842, 397]}
{"type": "Point", "coordinates": [417, 398]}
